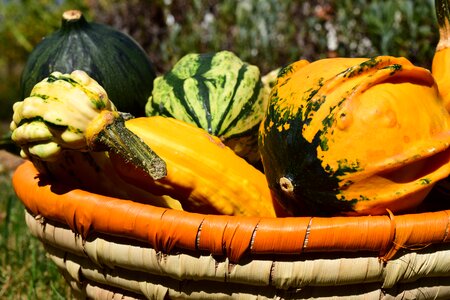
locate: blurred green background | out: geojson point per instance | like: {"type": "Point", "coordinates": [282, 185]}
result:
{"type": "Point", "coordinates": [268, 33]}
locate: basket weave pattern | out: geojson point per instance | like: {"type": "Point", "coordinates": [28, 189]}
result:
{"type": "Point", "coordinates": [194, 256]}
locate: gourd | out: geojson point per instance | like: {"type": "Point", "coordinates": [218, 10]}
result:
{"type": "Point", "coordinates": [48, 131]}
{"type": "Point", "coordinates": [202, 173]}
{"type": "Point", "coordinates": [440, 67]}
{"type": "Point", "coordinates": [354, 136]}
{"type": "Point", "coordinates": [109, 56]}
{"type": "Point", "coordinates": [217, 92]}
{"type": "Point", "coordinates": [162, 156]}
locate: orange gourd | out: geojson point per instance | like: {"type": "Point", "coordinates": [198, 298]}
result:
{"type": "Point", "coordinates": [354, 136]}
{"type": "Point", "coordinates": [441, 59]}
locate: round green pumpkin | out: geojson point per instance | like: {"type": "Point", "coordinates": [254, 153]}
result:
{"type": "Point", "coordinates": [111, 57]}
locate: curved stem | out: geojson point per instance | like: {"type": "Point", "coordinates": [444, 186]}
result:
{"type": "Point", "coordinates": [111, 133]}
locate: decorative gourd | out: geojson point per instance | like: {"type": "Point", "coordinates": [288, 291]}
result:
{"type": "Point", "coordinates": [49, 130]}
{"type": "Point", "coordinates": [354, 136]}
{"type": "Point", "coordinates": [73, 112]}
{"type": "Point", "coordinates": [440, 67]}
{"type": "Point", "coordinates": [202, 173]}
{"type": "Point", "coordinates": [217, 92]}
{"type": "Point", "coordinates": [109, 56]}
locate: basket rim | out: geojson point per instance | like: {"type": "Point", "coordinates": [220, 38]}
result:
{"type": "Point", "coordinates": [231, 236]}
{"type": "Point", "coordinates": [112, 253]}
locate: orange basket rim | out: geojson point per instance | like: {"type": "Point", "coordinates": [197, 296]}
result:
{"type": "Point", "coordinates": [231, 236]}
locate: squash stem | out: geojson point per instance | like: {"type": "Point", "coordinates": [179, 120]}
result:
{"type": "Point", "coordinates": [109, 131]}
{"type": "Point", "coordinates": [442, 8]}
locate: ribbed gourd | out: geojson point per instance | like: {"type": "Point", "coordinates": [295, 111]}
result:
{"type": "Point", "coordinates": [109, 56]}
{"type": "Point", "coordinates": [49, 129]}
{"type": "Point", "coordinates": [176, 162]}
{"type": "Point", "coordinates": [217, 92]}
{"type": "Point", "coordinates": [354, 136]}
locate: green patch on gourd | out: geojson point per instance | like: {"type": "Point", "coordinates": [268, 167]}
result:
{"type": "Point", "coordinates": [285, 71]}
{"type": "Point", "coordinates": [425, 181]}
{"type": "Point", "coordinates": [394, 68]}
{"type": "Point", "coordinates": [317, 187]}
{"type": "Point", "coordinates": [361, 68]}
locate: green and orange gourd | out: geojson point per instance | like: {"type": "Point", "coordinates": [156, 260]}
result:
{"type": "Point", "coordinates": [354, 136]}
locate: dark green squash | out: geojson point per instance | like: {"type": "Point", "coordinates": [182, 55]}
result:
{"type": "Point", "coordinates": [109, 56]}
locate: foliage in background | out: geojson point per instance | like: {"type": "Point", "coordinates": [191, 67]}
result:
{"type": "Point", "coordinates": [268, 33]}
{"type": "Point", "coordinates": [400, 28]}
{"type": "Point", "coordinates": [273, 32]}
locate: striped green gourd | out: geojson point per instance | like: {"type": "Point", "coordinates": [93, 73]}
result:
{"type": "Point", "coordinates": [217, 92]}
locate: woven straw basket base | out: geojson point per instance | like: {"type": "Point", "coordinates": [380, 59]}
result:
{"type": "Point", "coordinates": [382, 257]}
{"type": "Point", "coordinates": [117, 268]}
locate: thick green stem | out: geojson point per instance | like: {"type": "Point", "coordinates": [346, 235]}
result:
{"type": "Point", "coordinates": [116, 137]}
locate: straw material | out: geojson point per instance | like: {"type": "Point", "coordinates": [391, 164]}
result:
{"type": "Point", "coordinates": [157, 287]}
{"type": "Point", "coordinates": [142, 270]}
{"type": "Point", "coordinates": [109, 248]}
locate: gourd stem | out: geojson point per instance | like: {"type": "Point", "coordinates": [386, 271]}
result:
{"type": "Point", "coordinates": [72, 19]}
{"type": "Point", "coordinates": [442, 8]}
{"type": "Point", "coordinates": [116, 137]}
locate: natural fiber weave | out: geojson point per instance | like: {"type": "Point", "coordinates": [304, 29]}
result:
{"type": "Point", "coordinates": [142, 270]}
{"type": "Point", "coordinates": [158, 253]}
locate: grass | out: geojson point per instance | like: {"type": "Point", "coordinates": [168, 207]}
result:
{"type": "Point", "coordinates": [25, 272]}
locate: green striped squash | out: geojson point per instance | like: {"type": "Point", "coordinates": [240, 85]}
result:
{"type": "Point", "coordinates": [109, 56]}
{"type": "Point", "coordinates": [217, 92]}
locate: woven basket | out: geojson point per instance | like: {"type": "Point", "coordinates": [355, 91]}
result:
{"type": "Point", "coordinates": [159, 253]}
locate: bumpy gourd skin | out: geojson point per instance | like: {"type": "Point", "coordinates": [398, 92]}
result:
{"type": "Point", "coordinates": [53, 129]}
{"type": "Point", "coordinates": [75, 115]}
{"type": "Point", "coordinates": [354, 136]}
{"type": "Point", "coordinates": [56, 115]}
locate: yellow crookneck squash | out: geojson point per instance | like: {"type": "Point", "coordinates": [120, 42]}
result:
{"type": "Point", "coordinates": [354, 136]}
{"type": "Point", "coordinates": [173, 162]}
